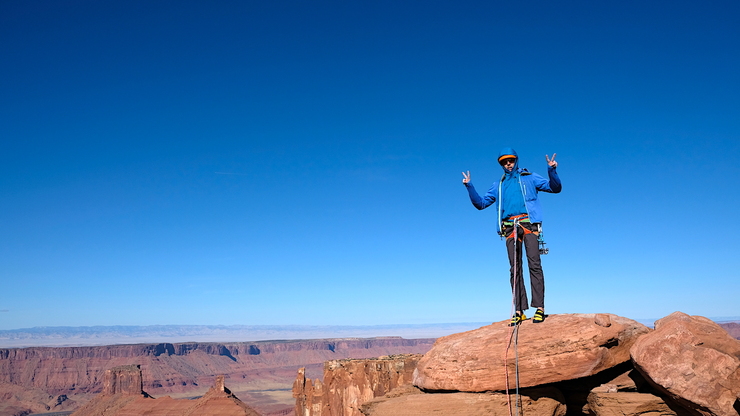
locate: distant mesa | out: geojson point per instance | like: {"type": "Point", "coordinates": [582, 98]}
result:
{"type": "Point", "coordinates": [123, 395]}
{"type": "Point", "coordinates": [572, 364]}
{"type": "Point", "coordinates": [110, 335]}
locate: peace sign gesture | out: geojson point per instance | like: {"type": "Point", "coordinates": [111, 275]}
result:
{"type": "Point", "coordinates": [466, 177]}
{"type": "Point", "coordinates": [551, 162]}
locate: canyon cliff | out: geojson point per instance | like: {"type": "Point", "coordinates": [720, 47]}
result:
{"type": "Point", "coordinates": [350, 383]}
{"type": "Point", "coordinates": [573, 364]}
{"type": "Point", "coordinates": [73, 375]}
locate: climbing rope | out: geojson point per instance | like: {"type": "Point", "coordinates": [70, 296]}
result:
{"type": "Point", "coordinates": [513, 334]}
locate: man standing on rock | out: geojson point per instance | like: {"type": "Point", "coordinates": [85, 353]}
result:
{"type": "Point", "coordinates": [520, 221]}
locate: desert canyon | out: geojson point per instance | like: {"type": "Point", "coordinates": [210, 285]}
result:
{"type": "Point", "coordinates": [48, 379]}
{"type": "Point", "coordinates": [573, 364]}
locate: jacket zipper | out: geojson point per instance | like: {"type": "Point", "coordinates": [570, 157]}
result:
{"type": "Point", "coordinates": [524, 195]}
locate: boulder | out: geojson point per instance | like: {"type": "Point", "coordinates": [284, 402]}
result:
{"type": "Point", "coordinates": [546, 401]}
{"type": "Point", "coordinates": [603, 402]}
{"type": "Point", "coordinates": [694, 361]}
{"type": "Point", "coordinates": [564, 347]}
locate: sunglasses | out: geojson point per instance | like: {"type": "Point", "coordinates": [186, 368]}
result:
{"type": "Point", "coordinates": [507, 161]}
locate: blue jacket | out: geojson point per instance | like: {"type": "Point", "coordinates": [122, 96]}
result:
{"type": "Point", "coordinates": [531, 184]}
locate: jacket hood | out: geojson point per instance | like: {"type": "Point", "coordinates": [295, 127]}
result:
{"type": "Point", "coordinates": [508, 151]}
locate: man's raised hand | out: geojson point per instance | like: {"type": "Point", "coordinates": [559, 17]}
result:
{"type": "Point", "coordinates": [466, 177]}
{"type": "Point", "coordinates": [551, 162]}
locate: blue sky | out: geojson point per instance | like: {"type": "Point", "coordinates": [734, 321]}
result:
{"type": "Point", "coordinates": [296, 162]}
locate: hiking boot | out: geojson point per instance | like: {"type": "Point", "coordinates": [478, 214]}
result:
{"type": "Point", "coordinates": [517, 319]}
{"type": "Point", "coordinates": [539, 316]}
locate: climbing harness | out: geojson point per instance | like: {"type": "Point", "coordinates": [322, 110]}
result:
{"type": "Point", "coordinates": [523, 219]}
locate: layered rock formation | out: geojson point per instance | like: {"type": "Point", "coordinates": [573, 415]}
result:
{"type": "Point", "coordinates": [350, 383]}
{"type": "Point", "coordinates": [688, 366]}
{"type": "Point", "coordinates": [693, 360]}
{"type": "Point", "coordinates": [123, 396]}
{"type": "Point", "coordinates": [77, 373]}
{"type": "Point", "coordinates": [613, 403]}
{"type": "Point", "coordinates": [123, 380]}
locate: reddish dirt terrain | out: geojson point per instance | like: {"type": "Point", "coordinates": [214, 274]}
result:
{"type": "Point", "coordinates": [259, 373]}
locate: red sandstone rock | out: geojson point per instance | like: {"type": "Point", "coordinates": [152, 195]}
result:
{"type": "Point", "coordinates": [537, 401]}
{"type": "Point", "coordinates": [309, 395]}
{"type": "Point", "coordinates": [350, 383]}
{"type": "Point", "coordinates": [564, 347]}
{"type": "Point", "coordinates": [623, 382]}
{"type": "Point", "coordinates": [123, 380]}
{"type": "Point", "coordinates": [121, 398]}
{"type": "Point", "coordinates": [693, 360]}
{"type": "Point", "coordinates": [607, 403]}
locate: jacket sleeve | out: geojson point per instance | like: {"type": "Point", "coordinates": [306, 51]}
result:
{"type": "Point", "coordinates": [552, 185]}
{"type": "Point", "coordinates": [478, 202]}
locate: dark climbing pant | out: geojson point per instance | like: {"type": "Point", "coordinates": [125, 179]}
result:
{"type": "Point", "coordinates": [536, 276]}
